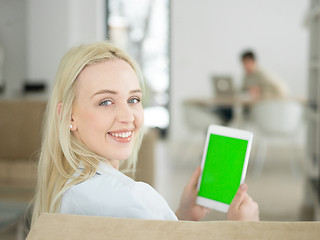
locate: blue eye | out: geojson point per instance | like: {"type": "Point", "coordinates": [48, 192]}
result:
{"type": "Point", "coordinates": [134, 100]}
{"type": "Point", "coordinates": [106, 103]}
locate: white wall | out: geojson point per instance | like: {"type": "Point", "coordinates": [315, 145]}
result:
{"type": "Point", "coordinates": [47, 38]}
{"type": "Point", "coordinates": [55, 26]}
{"type": "Point", "coordinates": [13, 41]}
{"type": "Point", "coordinates": [87, 20]}
{"type": "Point", "coordinates": [208, 36]}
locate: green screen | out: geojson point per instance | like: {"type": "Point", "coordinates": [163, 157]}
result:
{"type": "Point", "coordinates": [223, 168]}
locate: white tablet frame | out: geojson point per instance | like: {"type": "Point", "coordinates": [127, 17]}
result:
{"type": "Point", "coordinates": [227, 132]}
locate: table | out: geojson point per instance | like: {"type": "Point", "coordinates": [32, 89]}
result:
{"type": "Point", "coordinates": [237, 102]}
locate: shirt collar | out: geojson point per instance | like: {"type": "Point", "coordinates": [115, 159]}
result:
{"type": "Point", "coordinates": [104, 167]}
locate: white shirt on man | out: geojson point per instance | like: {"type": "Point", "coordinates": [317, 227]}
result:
{"type": "Point", "coordinates": [110, 193]}
{"type": "Point", "coordinates": [271, 85]}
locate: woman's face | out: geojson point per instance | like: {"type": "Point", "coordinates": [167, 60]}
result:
{"type": "Point", "coordinates": [107, 112]}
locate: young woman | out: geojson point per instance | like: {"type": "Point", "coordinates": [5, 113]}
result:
{"type": "Point", "coordinates": [92, 126]}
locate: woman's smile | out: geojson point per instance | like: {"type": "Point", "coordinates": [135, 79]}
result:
{"type": "Point", "coordinates": [122, 136]}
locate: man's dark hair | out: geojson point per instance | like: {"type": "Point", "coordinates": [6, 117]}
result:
{"type": "Point", "coordinates": [248, 54]}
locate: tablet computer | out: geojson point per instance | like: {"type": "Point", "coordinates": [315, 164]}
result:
{"type": "Point", "coordinates": [224, 165]}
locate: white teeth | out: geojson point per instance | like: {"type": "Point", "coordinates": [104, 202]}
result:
{"type": "Point", "coordinates": [122, 135]}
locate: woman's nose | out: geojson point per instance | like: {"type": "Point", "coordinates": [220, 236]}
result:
{"type": "Point", "coordinates": [125, 114]}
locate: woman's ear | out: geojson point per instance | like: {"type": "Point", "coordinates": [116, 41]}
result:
{"type": "Point", "coordinates": [73, 126]}
{"type": "Point", "coordinates": [59, 106]}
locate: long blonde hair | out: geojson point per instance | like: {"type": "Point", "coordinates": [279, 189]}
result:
{"type": "Point", "coordinates": [61, 153]}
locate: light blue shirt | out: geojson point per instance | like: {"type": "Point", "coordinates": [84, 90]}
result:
{"type": "Point", "coordinates": [110, 193]}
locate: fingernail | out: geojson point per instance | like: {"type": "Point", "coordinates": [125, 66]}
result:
{"type": "Point", "coordinates": [242, 187]}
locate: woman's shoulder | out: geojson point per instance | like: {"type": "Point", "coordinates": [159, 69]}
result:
{"type": "Point", "coordinates": [111, 193]}
{"type": "Point", "coordinates": [107, 181]}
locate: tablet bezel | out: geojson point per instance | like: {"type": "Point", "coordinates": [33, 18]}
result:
{"type": "Point", "coordinates": [227, 132]}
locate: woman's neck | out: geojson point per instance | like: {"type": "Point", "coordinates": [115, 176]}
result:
{"type": "Point", "coordinates": [114, 163]}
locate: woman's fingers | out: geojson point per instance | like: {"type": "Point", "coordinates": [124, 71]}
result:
{"type": "Point", "coordinates": [239, 197]}
{"type": "Point", "coordinates": [206, 210]}
{"type": "Point", "coordinates": [243, 207]}
{"type": "Point", "coordinates": [193, 182]}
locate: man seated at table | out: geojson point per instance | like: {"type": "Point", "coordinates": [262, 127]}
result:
{"type": "Point", "coordinates": [259, 83]}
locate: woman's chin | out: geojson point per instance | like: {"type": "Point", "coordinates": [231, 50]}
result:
{"type": "Point", "coordinates": [120, 157]}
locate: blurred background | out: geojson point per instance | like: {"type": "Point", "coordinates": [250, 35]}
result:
{"type": "Point", "coordinates": [194, 57]}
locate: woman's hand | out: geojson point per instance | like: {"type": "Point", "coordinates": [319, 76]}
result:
{"type": "Point", "coordinates": [188, 209]}
{"type": "Point", "coordinates": [243, 207]}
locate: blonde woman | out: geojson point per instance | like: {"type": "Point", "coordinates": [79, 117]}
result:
{"type": "Point", "coordinates": [93, 125]}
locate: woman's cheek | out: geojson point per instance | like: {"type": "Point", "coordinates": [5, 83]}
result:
{"type": "Point", "coordinates": [141, 117]}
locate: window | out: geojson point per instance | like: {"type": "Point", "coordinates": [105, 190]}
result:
{"type": "Point", "coordinates": [141, 27]}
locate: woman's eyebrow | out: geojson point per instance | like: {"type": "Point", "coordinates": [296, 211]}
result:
{"type": "Point", "coordinates": [106, 91]}
{"type": "Point", "coordinates": [136, 91]}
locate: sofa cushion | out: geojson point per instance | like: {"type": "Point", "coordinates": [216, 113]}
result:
{"type": "Point", "coordinates": [20, 128]}
{"type": "Point", "coordinates": [60, 226]}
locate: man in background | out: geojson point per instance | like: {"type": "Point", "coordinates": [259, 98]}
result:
{"type": "Point", "coordinates": [257, 82]}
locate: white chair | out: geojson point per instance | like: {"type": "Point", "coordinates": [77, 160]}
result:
{"type": "Point", "coordinates": [279, 118]}
{"type": "Point", "coordinates": [197, 120]}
